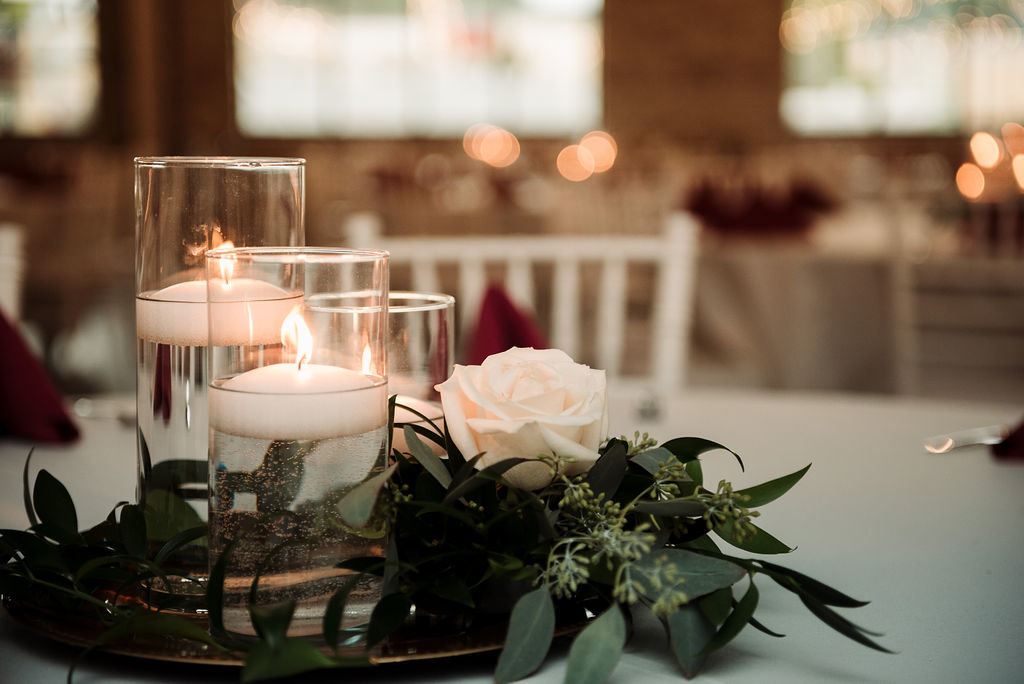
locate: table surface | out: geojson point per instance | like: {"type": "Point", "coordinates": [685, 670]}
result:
{"type": "Point", "coordinates": [932, 541]}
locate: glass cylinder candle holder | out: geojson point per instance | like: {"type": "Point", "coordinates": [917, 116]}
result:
{"type": "Point", "coordinates": [185, 207]}
{"type": "Point", "coordinates": [421, 349]}
{"type": "Point", "coordinates": [298, 419]}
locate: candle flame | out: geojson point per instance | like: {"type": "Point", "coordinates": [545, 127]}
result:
{"type": "Point", "coordinates": [227, 265]}
{"type": "Point", "coordinates": [367, 360]}
{"type": "Point", "coordinates": [295, 336]}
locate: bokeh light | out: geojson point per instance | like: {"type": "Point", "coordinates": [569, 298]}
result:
{"type": "Point", "coordinates": [602, 147]}
{"type": "Point", "coordinates": [1013, 138]}
{"type": "Point", "coordinates": [985, 149]}
{"type": "Point", "coordinates": [1018, 170]}
{"type": "Point", "coordinates": [491, 144]}
{"type": "Point", "coordinates": [575, 163]}
{"type": "Point", "coordinates": [970, 181]}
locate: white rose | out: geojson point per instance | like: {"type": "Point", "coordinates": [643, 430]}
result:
{"type": "Point", "coordinates": [524, 403]}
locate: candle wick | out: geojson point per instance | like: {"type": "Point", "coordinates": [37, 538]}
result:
{"type": "Point", "coordinates": [299, 361]}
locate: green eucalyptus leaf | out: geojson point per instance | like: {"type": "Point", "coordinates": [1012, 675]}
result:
{"type": "Point", "coordinates": [797, 582]}
{"type": "Point", "coordinates": [736, 621]}
{"type": "Point", "coordinates": [53, 504]}
{"type": "Point", "coordinates": [426, 458]}
{"type": "Point", "coordinates": [605, 476]}
{"type": "Point", "coordinates": [688, 633]}
{"type": "Point", "coordinates": [26, 491]}
{"type": "Point", "coordinates": [452, 588]}
{"type": "Point", "coordinates": [673, 508]}
{"type": "Point", "coordinates": [841, 624]}
{"type": "Point", "coordinates": [759, 542]}
{"type": "Point", "coordinates": [336, 610]}
{"type": "Point", "coordinates": [271, 621]}
{"type": "Point", "coordinates": [694, 574]}
{"type": "Point", "coordinates": [531, 627]}
{"type": "Point", "coordinates": [291, 657]}
{"type": "Point", "coordinates": [767, 492]}
{"type": "Point", "coordinates": [357, 507]}
{"type": "Point", "coordinates": [36, 551]}
{"type": "Point", "coordinates": [388, 615]}
{"type": "Point", "coordinates": [764, 630]}
{"type": "Point", "coordinates": [716, 606]}
{"type": "Point", "coordinates": [696, 471]}
{"type": "Point", "coordinates": [652, 459]}
{"type": "Point", "coordinates": [596, 650]}
{"type": "Point", "coordinates": [132, 530]}
{"type": "Point", "coordinates": [689, 448]}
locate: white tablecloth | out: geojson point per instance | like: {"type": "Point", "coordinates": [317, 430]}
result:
{"type": "Point", "coordinates": [933, 541]}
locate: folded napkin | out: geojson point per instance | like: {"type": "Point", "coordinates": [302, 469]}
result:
{"type": "Point", "coordinates": [30, 406]}
{"type": "Point", "coordinates": [1012, 445]}
{"type": "Point", "coordinates": [502, 325]}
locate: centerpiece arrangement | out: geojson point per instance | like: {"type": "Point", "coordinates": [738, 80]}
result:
{"type": "Point", "coordinates": [530, 524]}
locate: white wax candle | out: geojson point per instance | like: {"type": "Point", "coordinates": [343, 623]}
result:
{"type": "Point", "coordinates": [430, 409]}
{"type": "Point", "coordinates": [283, 402]}
{"type": "Point", "coordinates": [177, 314]}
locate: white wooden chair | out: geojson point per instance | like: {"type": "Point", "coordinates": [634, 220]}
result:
{"type": "Point", "coordinates": [672, 254]}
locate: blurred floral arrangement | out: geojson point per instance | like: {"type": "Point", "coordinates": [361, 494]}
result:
{"type": "Point", "coordinates": [546, 529]}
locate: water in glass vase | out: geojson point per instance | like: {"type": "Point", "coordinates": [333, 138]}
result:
{"type": "Point", "coordinates": [173, 436]}
{"type": "Point", "coordinates": [274, 512]}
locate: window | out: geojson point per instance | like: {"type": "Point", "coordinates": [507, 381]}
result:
{"type": "Point", "coordinates": [430, 68]}
{"type": "Point", "coordinates": [49, 67]}
{"type": "Point", "coordinates": [866, 67]}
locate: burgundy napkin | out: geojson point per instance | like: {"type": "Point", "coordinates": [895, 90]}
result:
{"type": "Point", "coordinates": [1012, 445]}
{"type": "Point", "coordinates": [30, 406]}
{"type": "Point", "coordinates": [502, 325]}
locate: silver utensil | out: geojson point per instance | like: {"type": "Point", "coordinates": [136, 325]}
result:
{"type": "Point", "coordinates": [987, 435]}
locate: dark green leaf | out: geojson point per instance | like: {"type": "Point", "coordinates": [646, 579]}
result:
{"type": "Point", "coordinates": [357, 507]}
{"type": "Point", "coordinates": [695, 573]}
{"type": "Point", "coordinates": [596, 650]}
{"type": "Point", "coordinates": [761, 628]}
{"type": "Point", "coordinates": [132, 530]}
{"type": "Point", "coordinates": [293, 656]}
{"type": "Point", "coordinates": [716, 605]}
{"type": "Point", "coordinates": [481, 477]}
{"type": "Point", "coordinates": [688, 448]}
{"type": "Point", "coordinates": [336, 610]}
{"type": "Point", "coordinates": [795, 581]}
{"type": "Point", "coordinates": [53, 504]}
{"type": "Point", "coordinates": [451, 588]}
{"type": "Point", "coordinates": [841, 624]}
{"type": "Point", "coordinates": [736, 621]}
{"type": "Point", "coordinates": [652, 459]}
{"type": "Point", "coordinates": [167, 514]}
{"type": "Point", "coordinates": [672, 509]}
{"type": "Point", "coordinates": [26, 491]}
{"type": "Point", "coordinates": [605, 476]}
{"type": "Point", "coordinates": [689, 632]}
{"type": "Point", "coordinates": [696, 471]}
{"type": "Point", "coordinates": [172, 473]}
{"type": "Point", "coordinates": [272, 620]}
{"type": "Point", "coordinates": [531, 627]}
{"type": "Point", "coordinates": [426, 458]}
{"type": "Point", "coordinates": [767, 492]}
{"type": "Point", "coordinates": [760, 542]}
{"type": "Point", "coordinates": [178, 541]}
{"type": "Point", "coordinates": [388, 615]}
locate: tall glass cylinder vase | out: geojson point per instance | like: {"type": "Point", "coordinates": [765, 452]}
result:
{"type": "Point", "coordinates": [185, 207]}
{"type": "Point", "coordinates": [298, 419]}
{"type": "Point", "coordinates": [421, 351]}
